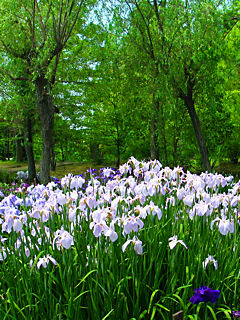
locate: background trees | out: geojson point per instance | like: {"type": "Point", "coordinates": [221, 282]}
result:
{"type": "Point", "coordinates": [184, 44]}
{"type": "Point", "coordinates": [155, 79]}
{"type": "Point", "coordinates": [34, 36]}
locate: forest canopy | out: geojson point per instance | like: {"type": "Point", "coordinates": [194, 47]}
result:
{"type": "Point", "coordinates": [104, 81]}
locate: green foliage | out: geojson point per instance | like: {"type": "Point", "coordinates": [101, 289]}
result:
{"type": "Point", "coordinates": [233, 151]}
{"type": "Point", "coordinates": [6, 177]}
{"type": "Point", "coordinates": [159, 52]}
{"type": "Point", "coordinates": [120, 60]}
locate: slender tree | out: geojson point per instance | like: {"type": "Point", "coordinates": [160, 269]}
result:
{"type": "Point", "coordinates": [18, 109]}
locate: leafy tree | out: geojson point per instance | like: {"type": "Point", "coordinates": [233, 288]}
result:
{"type": "Point", "coordinates": [34, 35]}
{"type": "Point", "coordinates": [181, 43]}
{"type": "Point", "coordinates": [18, 109]}
{"type": "Point", "coordinates": [231, 88]}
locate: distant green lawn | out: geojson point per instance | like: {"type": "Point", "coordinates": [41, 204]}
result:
{"type": "Point", "coordinates": [228, 168]}
{"type": "Point", "coordinates": [63, 168]}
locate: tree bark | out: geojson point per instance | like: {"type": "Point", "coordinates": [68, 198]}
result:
{"type": "Point", "coordinates": [53, 158]}
{"type": "Point", "coordinates": [118, 139]}
{"type": "Point", "coordinates": [8, 146]}
{"type": "Point", "coordinates": [53, 161]}
{"type": "Point", "coordinates": [154, 129]}
{"type": "Point", "coordinates": [118, 151]}
{"type": "Point", "coordinates": [163, 133]}
{"type": "Point", "coordinates": [62, 152]}
{"type": "Point", "coordinates": [46, 113]}
{"type": "Point", "coordinates": [95, 152]}
{"type": "Point", "coordinates": [154, 139]}
{"type": "Point", "coordinates": [158, 122]}
{"type": "Point", "coordinates": [175, 149]}
{"type": "Point", "coordinates": [28, 143]}
{"type": "Point", "coordinates": [189, 103]}
{"type": "Point", "coordinates": [20, 151]}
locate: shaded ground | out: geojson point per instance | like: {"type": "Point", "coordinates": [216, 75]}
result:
{"type": "Point", "coordinates": [63, 168]}
{"type": "Point", "coordinates": [229, 168]}
{"type": "Point", "coordinates": [75, 168]}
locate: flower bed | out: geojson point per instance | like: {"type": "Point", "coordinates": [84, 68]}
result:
{"type": "Point", "coordinates": [132, 244]}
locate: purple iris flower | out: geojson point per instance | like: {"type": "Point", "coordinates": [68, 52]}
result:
{"type": "Point", "coordinates": [204, 294]}
{"type": "Point", "coordinates": [235, 315]}
{"type": "Point", "coordinates": [56, 180]}
{"type": "Point", "coordinates": [24, 185]}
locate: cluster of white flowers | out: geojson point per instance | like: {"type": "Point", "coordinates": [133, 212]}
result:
{"type": "Point", "coordinates": [122, 203]}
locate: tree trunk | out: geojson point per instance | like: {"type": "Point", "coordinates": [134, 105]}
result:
{"type": "Point", "coordinates": [189, 103]}
{"type": "Point", "coordinates": [175, 149]}
{"type": "Point", "coordinates": [20, 151]}
{"type": "Point", "coordinates": [118, 153]}
{"type": "Point", "coordinates": [8, 146]}
{"type": "Point", "coordinates": [118, 140]}
{"type": "Point", "coordinates": [53, 163]}
{"type": "Point", "coordinates": [163, 133]}
{"type": "Point", "coordinates": [62, 152]}
{"type": "Point", "coordinates": [157, 117]}
{"type": "Point", "coordinates": [53, 160]}
{"type": "Point", "coordinates": [46, 114]}
{"type": "Point", "coordinates": [154, 130]}
{"type": "Point", "coordinates": [28, 143]}
{"type": "Point", "coordinates": [95, 152]}
{"type": "Point", "coordinates": [118, 148]}
{"type": "Point", "coordinates": [154, 140]}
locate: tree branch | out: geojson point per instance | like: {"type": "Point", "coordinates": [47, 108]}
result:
{"type": "Point", "coordinates": [76, 82]}
{"type": "Point", "coordinates": [41, 22]}
{"type": "Point", "coordinates": [151, 48]}
{"type": "Point", "coordinates": [59, 21]}
{"type": "Point", "coordinates": [75, 20]}
{"type": "Point", "coordinates": [14, 53]}
{"type": "Point", "coordinates": [65, 22]}
{"type": "Point", "coordinates": [160, 25]}
{"type": "Point", "coordinates": [12, 77]}
{"type": "Point", "coordinates": [53, 77]}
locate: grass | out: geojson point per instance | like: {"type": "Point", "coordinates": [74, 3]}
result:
{"type": "Point", "coordinates": [229, 168]}
{"type": "Point", "coordinates": [8, 169]}
{"type": "Point", "coordinates": [76, 168]}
